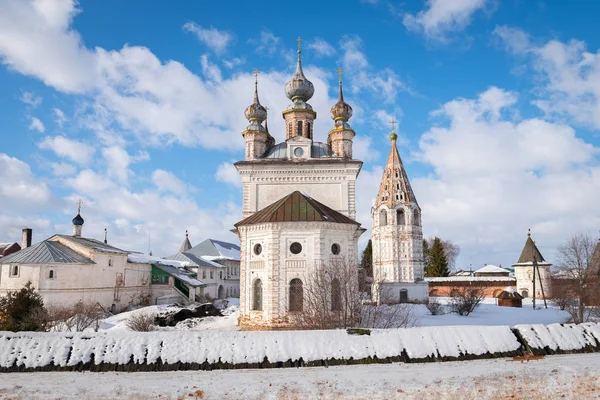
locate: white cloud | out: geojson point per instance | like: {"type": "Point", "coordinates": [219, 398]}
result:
{"type": "Point", "coordinates": [63, 169]}
{"type": "Point", "coordinates": [166, 181]}
{"type": "Point", "coordinates": [73, 150]}
{"type": "Point", "coordinates": [234, 62]}
{"type": "Point", "coordinates": [211, 37]}
{"type": "Point", "coordinates": [321, 47]}
{"type": "Point", "coordinates": [19, 188]}
{"type": "Point", "coordinates": [442, 17]}
{"type": "Point", "coordinates": [60, 118]}
{"type": "Point", "coordinates": [30, 99]}
{"type": "Point", "coordinates": [117, 163]}
{"type": "Point", "coordinates": [268, 43]}
{"type": "Point", "coordinates": [226, 172]}
{"type": "Point", "coordinates": [36, 125]}
{"type": "Point", "coordinates": [210, 70]}
{"type": "Point", "coordinates": [568, 76]}
{"type": "Point", "coordinates": [493, 178]}
{"type": "Point", "coordinates": [36, 40]}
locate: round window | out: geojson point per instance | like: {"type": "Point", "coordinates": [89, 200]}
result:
{"type": "Point", "coordinates": [257, 249]}
{"type": "Point", "coordinates": [335, 249]}
{"type": "Point", "coordinates": [296, 248]}
{"type": "Point", "coordinates": [298, 151]}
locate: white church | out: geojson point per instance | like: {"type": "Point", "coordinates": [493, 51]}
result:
{"type": "Point", "coordinates": [299, 211]}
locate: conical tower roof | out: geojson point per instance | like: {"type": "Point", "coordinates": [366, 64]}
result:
{"type": "Point", "coordinates": [186, 245]}
{"type": "Point", "coordinates": [395, 187]}
{"type": "Point", "coordinates": [529, 253]}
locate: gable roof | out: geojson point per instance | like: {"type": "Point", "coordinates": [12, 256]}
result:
{"type": "Point", "coordinates": [491, 269]}
{"type": "Point", "coordinates": [530, 251]}
{"type": "Point", "coordinates": [194, 260]}
{"type": "Point", "coordinates": [296, 207]}
{"type": "Point", "coordinates": [47, 251]}
{"type": "Point", "coordinates": [93, 244]}
{"type": "Point", "coordinates": [212, 249]}
{"type": "Point", "coordinates": [5, 247]}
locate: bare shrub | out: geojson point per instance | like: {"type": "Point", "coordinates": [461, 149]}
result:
{"type": "Point", "coordinates": [466, 300]}
{"type": "Point", "coordinates": [142, 299]}
{"type": "Point", "coordinates": [434, 306]}
{"type": "Point", "coordinates": [141, 322]}
{"type": "Point", "coordinates": [75, 318]}
{"type": "Point", "coordinates": [331, 297]}
{"type": "Point", "coordinates": [388, 316]}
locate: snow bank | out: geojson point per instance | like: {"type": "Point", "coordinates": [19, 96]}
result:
{"type": "Point", "coordinates": [557, 338]}
{"type": "Point", "coordinates": [37, 350]}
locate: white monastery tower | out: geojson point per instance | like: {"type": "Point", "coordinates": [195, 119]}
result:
{"type": "Point", "coordinates": [298, 205]}
{"type": "Point", "coordinates": [397, 236]}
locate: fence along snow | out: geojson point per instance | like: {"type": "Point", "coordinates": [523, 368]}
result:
{"type": "Point", "coordinates": [155, 351]}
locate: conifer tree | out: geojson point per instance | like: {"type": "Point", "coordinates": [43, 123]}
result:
{"type": "Point", "coordinates": [22, 310]}
{"type": "Point", "coordinates": [425, 255]}
{"type": "Point", "coordinates": [366, 262]}
{"type": "Point", "coordinates": [438, 263]}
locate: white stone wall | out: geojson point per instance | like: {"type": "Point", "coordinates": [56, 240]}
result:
{"type": "Point", "coordinates": [276, 266]}
{"type": "Point", "coordinates": [86, 282]}
{"type": "Point", "coordinates": [524, 276]}
{"type": "Point", "coordinates": [332, 184]}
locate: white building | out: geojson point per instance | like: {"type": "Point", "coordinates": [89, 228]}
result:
{"type": "Point", "coordinates": [397, 237]}
{"type": "Point", "coordinates": [298, 205]}
{"type": "Point", "coordinates": [67, 269]}
{"type": "Point", "coordinates": [215, 263]}
{"type": "Point", "coordinates": [530, 255]}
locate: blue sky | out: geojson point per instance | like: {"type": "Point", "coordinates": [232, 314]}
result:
{"type": "Point", "coordinates": [137, 107]}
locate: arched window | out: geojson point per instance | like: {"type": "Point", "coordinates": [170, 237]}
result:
{"type": "Point", "coordinates": [416, 218]}
{"type": "Point", "coordinates": [220, 274]}
{"type": "Point", "coordinates": [308, 132]}
{"type": "Point", "coordinates": [291, 129]}
{"type": "Point", "coordinates": [524, 293]}
{"type": "Point", "coordinates": [257, 295]}
{"type": "Point", "coordinates": [203, 274]}
{"type": "Point", "coordinates": [221, 292]}
{"type": "Point", "coordinates": [296, 295]}
{"type": "Point", "coordinates": [299, 133]}
{"type": "Point", "coordinates": [336, 295]}
{"type": "Point", "coordinates": [400, 217]}
{"type": "Point", "coordinates": [383, 218]}
{"type": "Point", "coordinates": [403, 295]}
{"type": "Point", "coordinates": [15, 270]}
{"type": "Point", "coordinates": [51, 274]}
{"type": "Point", "coordinates": [433, 292]}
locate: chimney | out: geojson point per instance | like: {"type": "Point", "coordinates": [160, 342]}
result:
{"type": "Point", "coordinates": [26, 240]}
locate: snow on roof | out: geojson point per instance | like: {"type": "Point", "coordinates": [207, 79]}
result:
{"type": "Point", "coordinates": [509, 289]}
{"type": "Point", "coordinates": [212, 249]}
{"type": "Point", "coordinates": [471, 279]}
{"type": "Point", "coordinates": [139, 258]}
{"type": "Point", "coordinates": [491, 269]}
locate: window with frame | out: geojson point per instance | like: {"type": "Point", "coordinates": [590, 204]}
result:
{"type": "Point", "coordinates": [296, 295]}
{"type": "Point", "coordinates": [211, 275]}
{"type": "Point", "coordinates": [203, 274]}
{"type": "Point", "coordinates": [296, 248]}
{"type": "Point", "coordinates": [51, 274]}
{"type": "Point", "coordinates": [14, 270]}
{"type": "Point", "coordinates": [220, 274]}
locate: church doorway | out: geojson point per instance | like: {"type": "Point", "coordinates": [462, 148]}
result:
{"type": "Point", "coordinates": [403, 296]}
{"type": "Point", "coordinates": [221, 292]}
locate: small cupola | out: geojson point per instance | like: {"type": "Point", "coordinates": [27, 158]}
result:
{"type": "Point", "coordinates": [78, 221]}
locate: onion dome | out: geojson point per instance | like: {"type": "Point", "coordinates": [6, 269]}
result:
{"type": "Point", "coordinates": [393, 135]}
{"type": "Point", "coordinates": [341, 112]}
{"type": "Point", "coordinates": [299, 89]}
{"type": "Point", "coordinates": [255, 112]}
{"type": "Point", "coordinates": [78, 220]}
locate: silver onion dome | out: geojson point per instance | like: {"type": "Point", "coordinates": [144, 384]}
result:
{"type": "Point", "coordinates": [255, 112]}
{"type": "Point", "coordinates": [299, 87]}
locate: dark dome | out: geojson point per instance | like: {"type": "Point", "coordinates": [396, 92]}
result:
{"type": "Point", "coordinates": [78, 220]}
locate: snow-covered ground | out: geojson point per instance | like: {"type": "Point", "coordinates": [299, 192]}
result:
{"type": "Point", "coordinates": [562, 376]}
{"type": "Point", "coordinates": [488, 313]}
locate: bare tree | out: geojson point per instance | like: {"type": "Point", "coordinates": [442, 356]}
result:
{"type": "Point", "coordinates": [434, 306]}
{"type": "Point", "coordinates": [466, 299]}
{"type": "Point", "coordinates": [576, 261]}
{"type": "Point", "coordinates": [451, 250]}
{"type": "Point", "coordinates": [331, 297]}
{"type": "Point", "coordinates": [385, 311]}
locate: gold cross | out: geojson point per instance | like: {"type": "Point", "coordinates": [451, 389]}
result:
{"type": "Point", "coordinates": [79, 206]}
{"type": "Point", "coordinates": [299, 43]}
{"type": "Point", "coordinates": [393, 123]}
{"type": "Point", "coordinates": [256, 72]}
{"type": "Point", "coordinates": [339, 71]}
